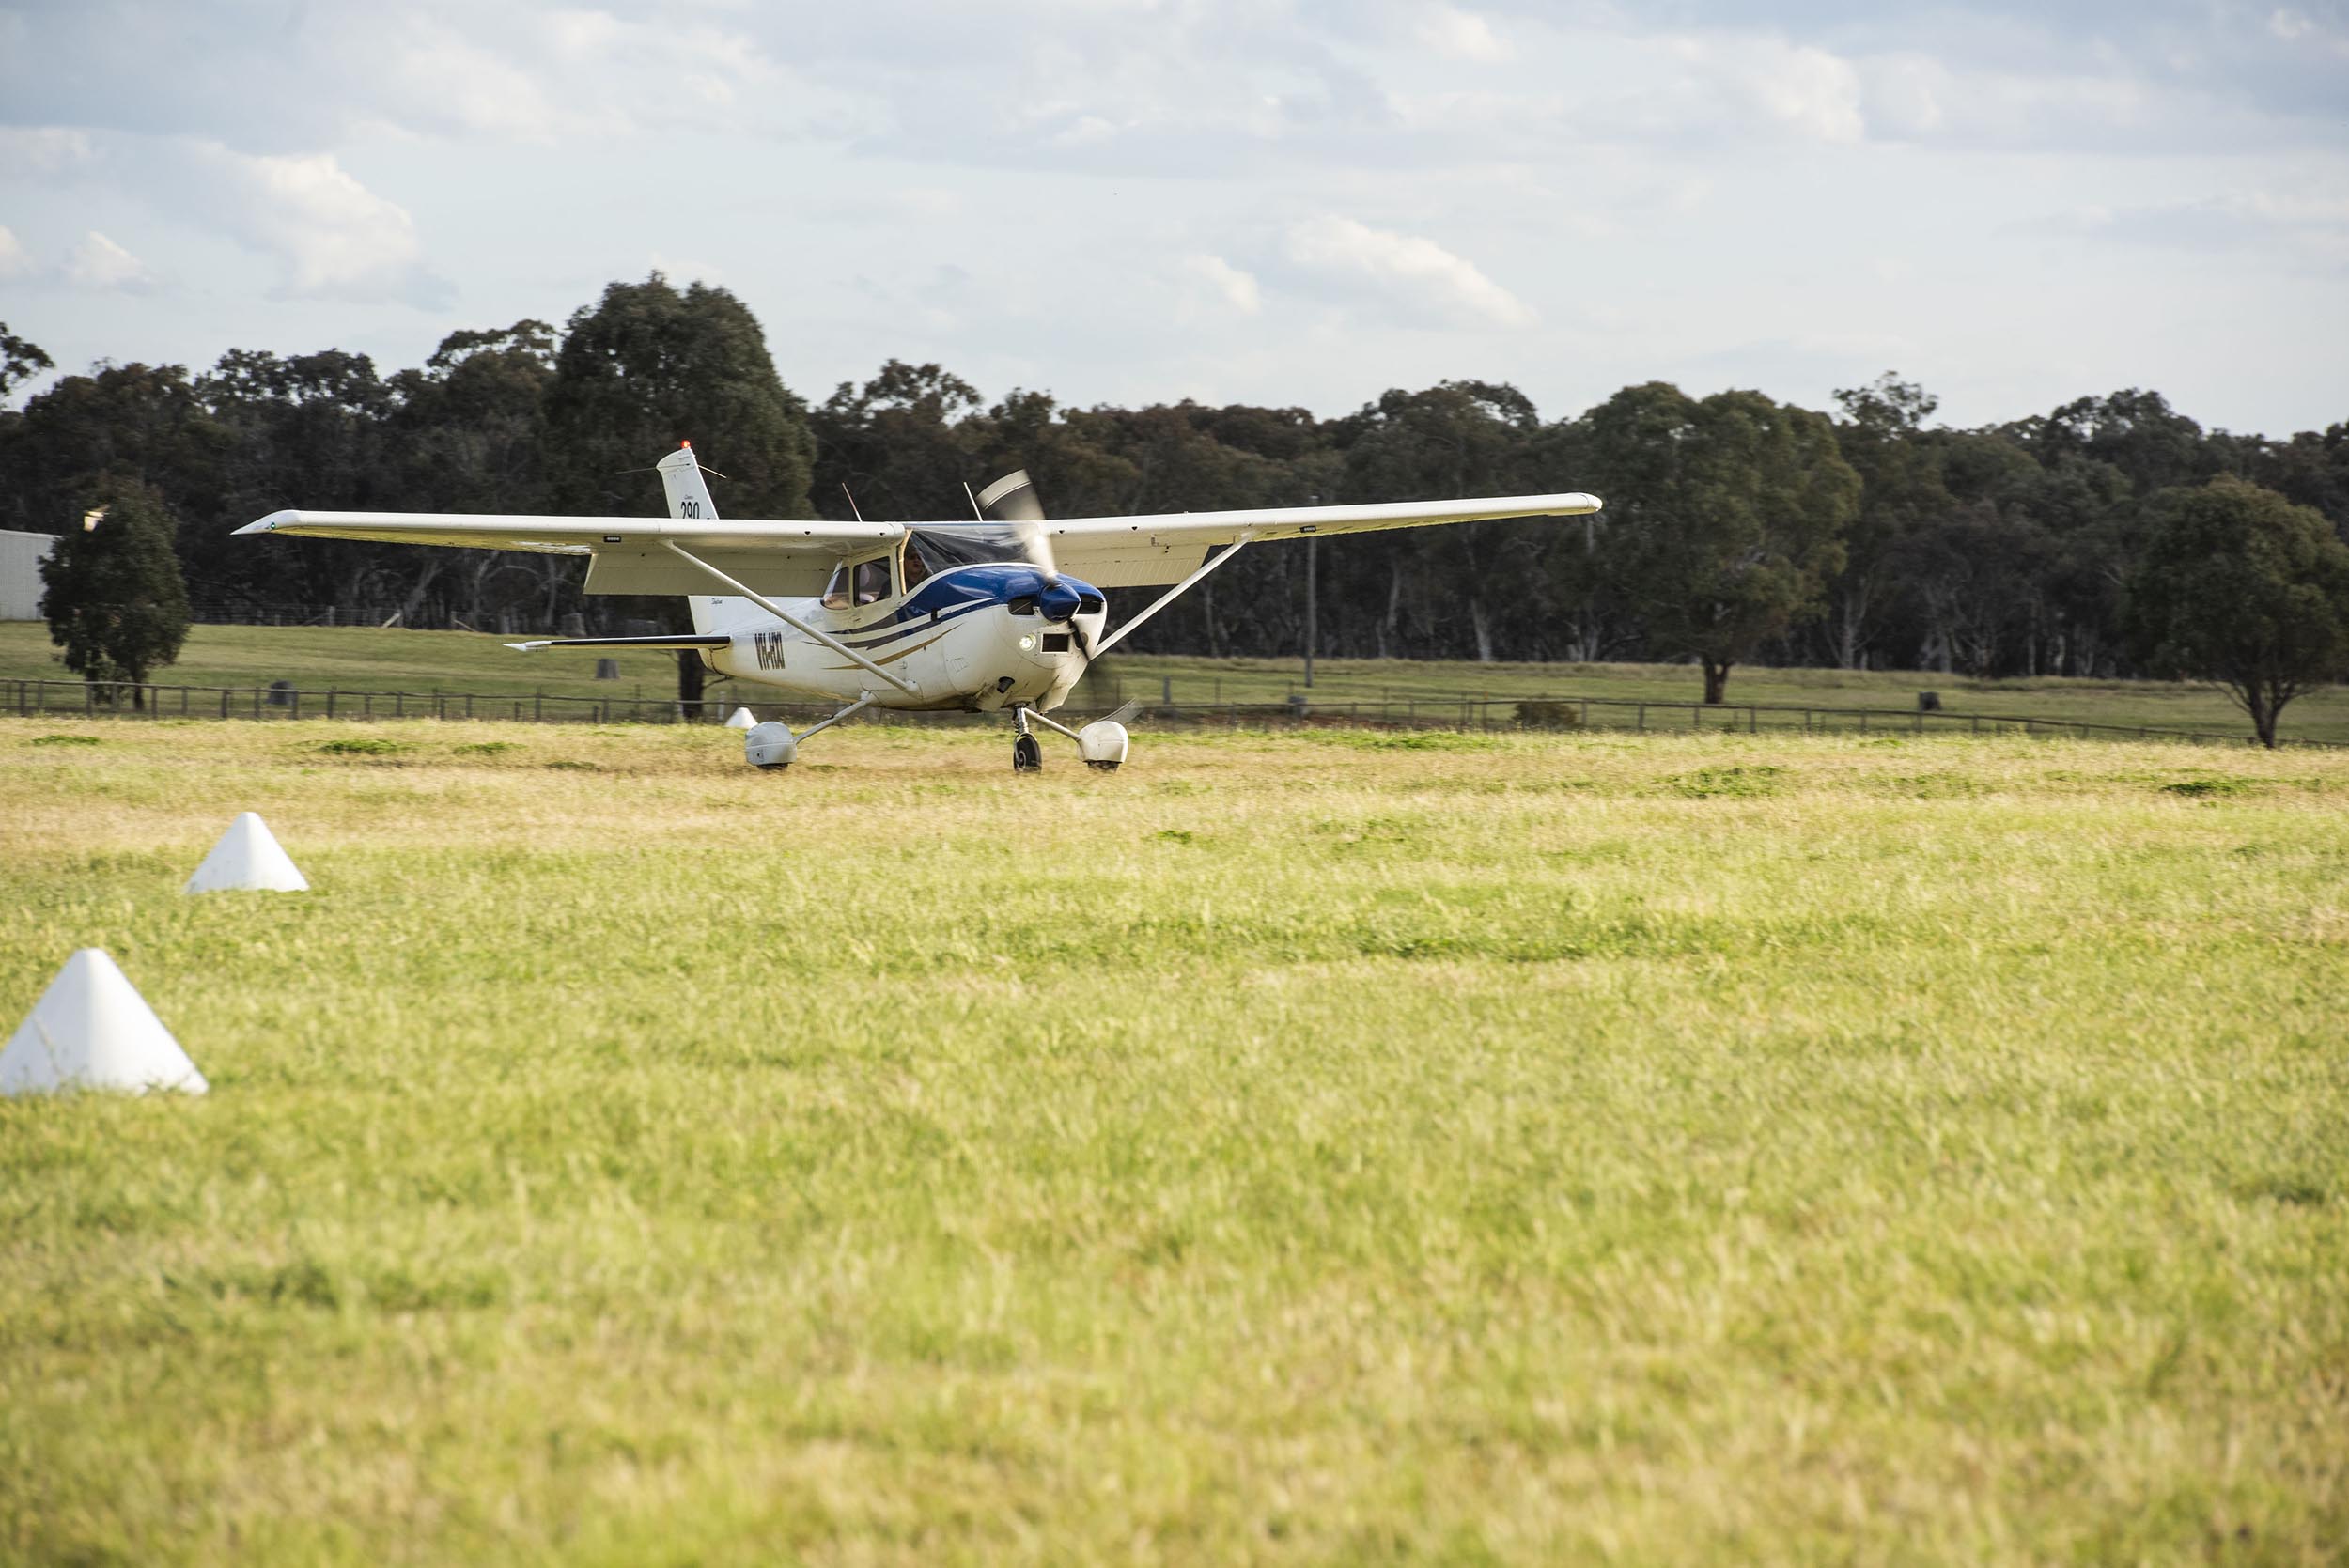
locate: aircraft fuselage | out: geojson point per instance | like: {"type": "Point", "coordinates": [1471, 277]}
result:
{"type": "Point", "coordinates": [976, 638]}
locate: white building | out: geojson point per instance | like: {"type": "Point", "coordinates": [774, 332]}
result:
{"type": "Point", "coordinates": [21, 555]}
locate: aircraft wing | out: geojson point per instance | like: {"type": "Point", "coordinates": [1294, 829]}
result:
{"type": "Point", "coordinates": [788, 556]}
{"type": "Point", "coordinates": [794, 557]}
{"type": "Point", "coordinates": [1130, 552]}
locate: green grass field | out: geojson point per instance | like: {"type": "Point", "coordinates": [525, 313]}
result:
{"type": "Point", "coordinates": [1336, 1146]}
{"type": "Point", "coordinates": [364, 659]}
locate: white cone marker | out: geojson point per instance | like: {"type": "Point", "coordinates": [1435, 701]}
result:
{"type": "Point", "coordinates": [741, 719]}
{"type": "Point", "coordinates": [92, 1030]}
{"type": "Point", "coordinates": [247, 859]}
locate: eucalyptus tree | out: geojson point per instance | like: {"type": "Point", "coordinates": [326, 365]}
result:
{"type": "Point", "coordinates": [1736, 507]}
{"type": "Point", "coordinates": [2239, 586]}
{"type": "Point", "coordinates": [113, 594]}
{"type": "Point", "coordinates": [649, 366]}
{"type": "Point", "coordinates": [1884, 436]}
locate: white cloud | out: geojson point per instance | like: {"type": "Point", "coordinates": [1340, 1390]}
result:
{"type": "Point", "coordinates": [1237, 288]}
{"type": "Point", "coordinates": [1460, 35]}
{"type": "Point", "coordinates": [34, 151]}
{"type": "Point", "coordinates": [333, 237]}
{"type": "Point", "coordinates": [1800, 89]}
{"type": "Point", "coordinates": [15, 260]}
{"type": "Point", "coordinates": [99, 264]}
{"type": "Point", "coordinates": [1405, 270]}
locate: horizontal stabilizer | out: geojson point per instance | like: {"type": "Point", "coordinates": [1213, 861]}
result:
{"type": "Point", "coordinates": [686, 640]}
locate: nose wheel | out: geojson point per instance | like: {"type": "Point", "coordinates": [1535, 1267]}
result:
{"type": "Point", "coordinates": [1026, 755]}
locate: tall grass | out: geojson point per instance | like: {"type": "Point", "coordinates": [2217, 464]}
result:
{"type": "Point", "coordinates": [1511, 1149]}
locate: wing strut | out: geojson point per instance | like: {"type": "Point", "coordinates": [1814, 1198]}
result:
{"type": "Point", "coordinates": [779, 612]}
{"type": "Point", "coordinates": [1162, 600]}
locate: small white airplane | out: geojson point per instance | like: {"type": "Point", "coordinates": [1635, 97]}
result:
{"type": "Point", "coordinates": [917, 616]}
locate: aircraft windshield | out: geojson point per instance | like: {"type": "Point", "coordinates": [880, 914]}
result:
{"type": "Point", "coordinates": [944, 549]}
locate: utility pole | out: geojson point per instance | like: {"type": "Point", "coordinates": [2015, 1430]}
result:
{"type": "Point", "coordinates": [1313, 543]}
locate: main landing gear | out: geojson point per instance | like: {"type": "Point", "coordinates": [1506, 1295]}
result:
{"type": "Point", "coordinates": [1101, 743]}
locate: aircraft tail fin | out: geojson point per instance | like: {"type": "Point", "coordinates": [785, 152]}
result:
{"type": "Point", "coordinates": [689, 501]}
{"type": "Point", "coordinates": [689, 493]}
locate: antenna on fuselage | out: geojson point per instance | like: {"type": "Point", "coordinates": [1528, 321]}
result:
{"type": "Point", "coordinates": [853, 511]}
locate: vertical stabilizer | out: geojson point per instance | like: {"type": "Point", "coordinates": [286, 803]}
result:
{"type": "Point", "coordinates": [688, 501]}
{"type": "Point", "coordinates": [689, 494]}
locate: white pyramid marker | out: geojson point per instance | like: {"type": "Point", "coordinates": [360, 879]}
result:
{"type": "Point", "coordinates": [247, 859]}
{"type": "Point", "coordinates": [92, 1030]}
{"type": "Point", "coordinates": [741, 719]}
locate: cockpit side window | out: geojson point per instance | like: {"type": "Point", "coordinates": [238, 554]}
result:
{"type": "Point", "coordinates": [916, 568]}
{"type": "Point", "coordinates": [836, 591]}
{"type": "Point", "coordinates": [872, 581]}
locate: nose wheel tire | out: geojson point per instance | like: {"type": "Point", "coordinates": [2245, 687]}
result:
{"type": "Point", "coordinates": [1027, 756]}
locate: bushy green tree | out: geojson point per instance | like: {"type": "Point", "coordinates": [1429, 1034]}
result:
{"type": "Point", "coordinates": [647, 367]}
{"type": "Point", "coordinates": [114, 598]}
{"type": "Point", "coordinates": [2238, 585]}
{"type": "Point", "coordinates": [1738, 507]}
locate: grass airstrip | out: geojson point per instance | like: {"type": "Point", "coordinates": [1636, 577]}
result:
{"type": "Point", "coordinates": [366, 659]}
{"type": "Point", "coordinates": [1329, 1146]}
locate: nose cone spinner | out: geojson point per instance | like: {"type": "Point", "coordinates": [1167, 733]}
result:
{"type": "Point", "coordinates": [1058, 600]}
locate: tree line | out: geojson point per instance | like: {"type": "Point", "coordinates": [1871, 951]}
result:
{"type": "Point", "coordinates": [1738, 529]}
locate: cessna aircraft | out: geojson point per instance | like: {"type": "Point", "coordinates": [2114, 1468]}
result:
{"type": "Point", "coordinates": [1003, 613]}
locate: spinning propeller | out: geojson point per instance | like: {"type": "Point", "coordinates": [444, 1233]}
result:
{"type": "Point", "coordinates": [1012, 498]}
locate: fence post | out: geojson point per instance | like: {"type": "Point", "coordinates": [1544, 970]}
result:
{"type": "Point", "coordinates": [1643, 718]}
{"type": "Point", "coordinates": [1753, 721]}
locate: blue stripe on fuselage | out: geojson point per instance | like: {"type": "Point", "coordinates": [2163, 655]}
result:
{"type": "Point", "coordinates": [952, 593]}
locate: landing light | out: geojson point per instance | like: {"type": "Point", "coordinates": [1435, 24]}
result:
{"type": "Point", "coordinates": [1027, 644]}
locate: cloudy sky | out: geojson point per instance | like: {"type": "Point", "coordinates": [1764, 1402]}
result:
{"type": "Point", "coordinates": [1280, 201]}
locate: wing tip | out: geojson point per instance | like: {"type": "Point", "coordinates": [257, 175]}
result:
{"type": "Point", "coordinates": [271, 524]}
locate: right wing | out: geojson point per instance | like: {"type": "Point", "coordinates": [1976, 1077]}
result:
{"type": "Point", "coordinates": [782, 557]}
{"type": "Point", "coordinates": [1135, 551]}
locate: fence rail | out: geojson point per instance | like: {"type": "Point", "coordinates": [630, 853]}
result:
{"type": "Point", "coordinates": [131, 701]}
